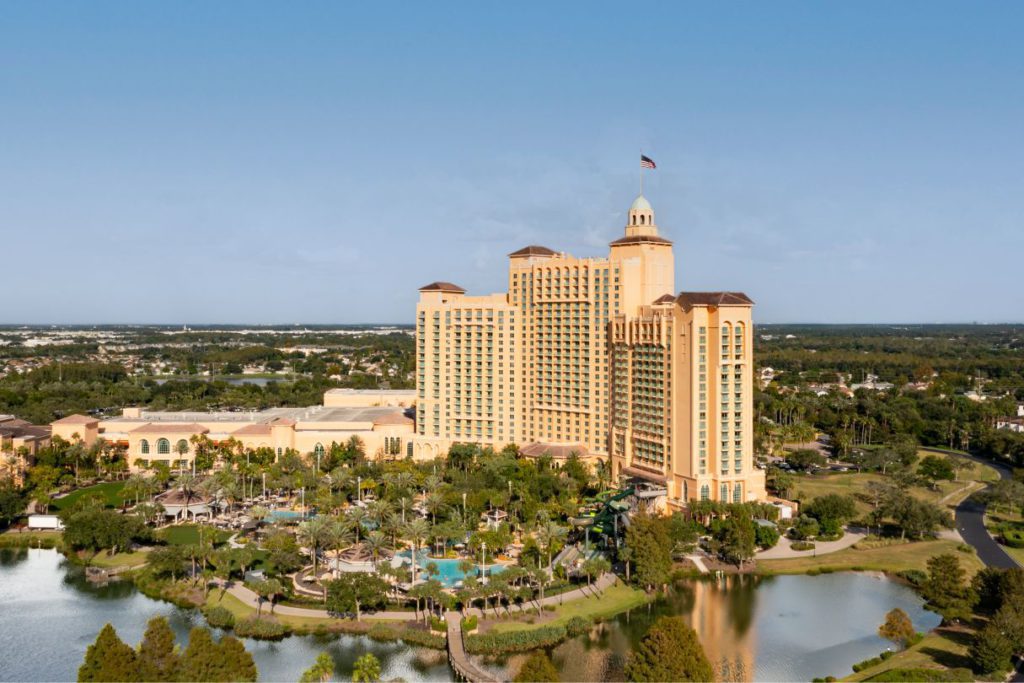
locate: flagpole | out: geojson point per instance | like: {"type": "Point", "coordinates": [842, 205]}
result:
{"type": "Point", "coordinates": [641, 172]}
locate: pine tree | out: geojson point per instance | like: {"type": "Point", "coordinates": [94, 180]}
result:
{"type": "Point", "coordinates": [947, 590]}
{"type": "Point", "coordinates": [201, 659]}
{"type": "Point", "coordinates": [238, 662]}
{"type": "Point", "coordinates": [670, 651]}
{"type": "Point", "coordinates": [109, 659]}
{"type": "Point", "coordinates": [897, 627]}
{"type": "Point", "coordinates": [538, 668]}
{"type": "Point", "coordinates": [158, 658]}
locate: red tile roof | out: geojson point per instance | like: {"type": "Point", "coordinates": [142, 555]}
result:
{"type": "Point", "coordinates": [691, 299]}
{"type": "Point", "coordinates": [640, 239]}
{"type": "Point", "coordinates": [532, 250]}
{"type": "Point", "coordinates": [76, 420]}
{"type": "Point", "coordinates": [442, 287]}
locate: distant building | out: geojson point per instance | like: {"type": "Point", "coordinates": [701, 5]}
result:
{"type": "Point", "coordinates": [20, 441]}
{"type": "Point", "coordinates": [872, 383]}
{"type": "Point", "coordinates": [1012, 424]}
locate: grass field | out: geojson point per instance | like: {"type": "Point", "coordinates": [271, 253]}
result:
{"type": "Point", "coordinates": [188, 534]}
{"type": "Point", "coordinates": [111, 491]}
{"type": "Point", "coordinates": [808, 487]}
{"type": "Point", "coordinates": [891, 559]}
{"type": "Point", "coordinates": [940, 649]}
{"type": "Point", "coordinates": [994, 519]}
{"type": "Point", "coordinates": [616, 599]}
{"type": "Point", "coordinates": [134, 559]}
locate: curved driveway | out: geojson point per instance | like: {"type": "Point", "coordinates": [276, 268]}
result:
{"type": "Point", "coordinates": [970, 520]}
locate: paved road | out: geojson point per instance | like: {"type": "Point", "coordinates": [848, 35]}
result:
{"type": "Point", "coordinates": [970, 521]}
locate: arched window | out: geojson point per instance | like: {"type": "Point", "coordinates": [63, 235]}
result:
{"type": "Point", "coordinates": [726, 330]}
{"type": "Point", "coordinates": [163, 446]}
{"type": "Point", "coordinates": [279, 452]}
{"type": "Point", "coordinates": [705, 492]}
{"type": "Point", "coordinates": [634, 219]}
{"type": "Point", "coordinates": [144, 447]}
{"type": "Point", "coordinates": [737, 494]}
{"type": "Point", "coordinates": [725, 493]}
{"type": "Point", "coordinates": [182, 446]}
{"type": "Point", "coordinates": [318, 450]}
{"type": "Point", "coordinates": [642, 217]}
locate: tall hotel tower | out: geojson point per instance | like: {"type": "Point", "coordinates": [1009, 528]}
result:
{"type": "Point", "coordinates": [596, 356]}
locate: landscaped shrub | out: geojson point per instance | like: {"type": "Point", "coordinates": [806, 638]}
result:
{"type": "Point", "coordinates": [219, 617]}
{"type": "Point", "coordinates": [549, 608]}
{"type": "Point", "coordinates": [802, 545]}
{"type": "Point", "coordinates": [470, 623]}
{"type": "Point", "coordinates": [1014, 538]}
{"type": "Point", "coordinates": [422, 638]}
{"type": "Point", "coordinates": [382, 632]}
{"type": "Point", "coordinates": [915, 577]}
{"type": "Point", "coordinates": [515, 641]}
{"type": "Point", "coordinates": [438, 624]}
{"type": "Point", "coordinates": [577, 626]}
{"type": "Point", "coordinates": [263, 628]}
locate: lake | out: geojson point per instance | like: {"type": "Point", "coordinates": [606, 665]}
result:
{"type": "Point", "coordinates": [786, 628]}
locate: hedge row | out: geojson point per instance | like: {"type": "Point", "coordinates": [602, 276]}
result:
{"type": "Point", "coordinates": [515, 641]}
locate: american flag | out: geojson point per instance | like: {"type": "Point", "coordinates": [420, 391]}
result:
{"type": "Point", "coordinates": [646, 162]}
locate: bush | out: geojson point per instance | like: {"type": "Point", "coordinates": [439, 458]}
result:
{"type": "Point", "coordinates": [260, 628]}
{"type": "Point", "coordinates": [438, 624]}
{"type": "Point", "coordinates": [549, 608]}
{"type": "Point", "coordinates": [470, 623]}
{"type": "Point", "coordinates": [924, 675]}
{"type": "Point", "coordinates": [413, 636]}
{"type": "Point", "coordinates": [964, 548]}
{"type": "Point", "coordinates": [514, 641]}
{"type": "Point", "coordinates": [382, 632]}
{"type": "Point", "coordinates": [914, 577]}
{"type": "Point", "coordinates": [802, 545]}
{"type": "Point", "coordinates": [576, 627]}
{"type": "Point", "coordinates": [219, 617]}
{"type": "Point", "coordinates": [1014, 538]}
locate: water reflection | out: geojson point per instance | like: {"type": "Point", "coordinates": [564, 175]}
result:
{"type": "Point", "coordinates": [786, 628]}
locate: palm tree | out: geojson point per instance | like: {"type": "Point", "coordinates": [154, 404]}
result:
{"type": "Point", "coordinates": [375, 541]}
{"type": "Point", "coordinates": [434, 502]}
{"type": "Point", "coordinates": [367, 668]}
{"type": "Point", "coordinates": [355, 516]}
{"type": "Point", "coordinates": [549, 533]}
{"type": "Point", "coordinates": [379, 510]}
{"type": "Point", "coordinates": [312, 533]}
{"type": "Point", "coordinates": [338, 537]}
{"type": "Point", "coordinates": [416, 531]}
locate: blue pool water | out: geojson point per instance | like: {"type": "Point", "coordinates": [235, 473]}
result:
{"type": "Point", "coordinates": [282, 515]}
{"type": "Point", "coordinates": [449, 574]}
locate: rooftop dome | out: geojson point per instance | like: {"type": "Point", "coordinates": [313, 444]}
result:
{"type": "Point", "coordinates": [641, 203]}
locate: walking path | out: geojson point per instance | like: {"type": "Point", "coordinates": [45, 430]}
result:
{"type": "Point", "coordinates": [784, 551]}
{"type": "Point", "coordinates": [252, 600]}
{"type": "Point", "coordinates": [698, 562]}
{"type": "Point", "coordinates": [457, 656]}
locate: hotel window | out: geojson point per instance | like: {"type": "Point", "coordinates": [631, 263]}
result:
{"type": "Point", "coordinates": [724, 491]}
{"type": "Point", "coordinates": [144, 447]}
{"type": "Point", "coordinates": [737, 494]}
{"type": "Point", "coordinates": [163, 446]}
{"type": "Point", "coordinates": [705, 492]}
{"type": "Point", "coordinates": [318, 450]}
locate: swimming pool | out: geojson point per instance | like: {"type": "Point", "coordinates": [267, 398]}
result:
{"type": "Point", "coordinates": [287, 515]}
{"type": "Point", "coordinates": [449, 574]}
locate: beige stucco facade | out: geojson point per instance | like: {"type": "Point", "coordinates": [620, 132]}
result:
{"type": "Point", "coordinates": [385, 430]}
{"type": "Point", "coordinates": [595, 356]}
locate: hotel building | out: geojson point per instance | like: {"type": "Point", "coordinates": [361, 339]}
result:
{"type": "Point", "coordinates": [595, 356]}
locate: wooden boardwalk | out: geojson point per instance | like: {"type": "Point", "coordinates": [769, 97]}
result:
{"type": "Point", "coordinates": [464, 668]}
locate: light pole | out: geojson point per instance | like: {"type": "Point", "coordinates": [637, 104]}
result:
{"type": "Point", "coordinates": [464, 508]}
{"type": "Point", "coordinates": [302, 493]}
{"type": "Point", "coordinates": [359, 488]}
{"type": "Point", "coordinates": [483, 562]}
{"type": "Point", "coordinates": [264, 484]}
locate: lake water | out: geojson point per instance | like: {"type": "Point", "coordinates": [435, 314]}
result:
{"type": "Point", "coordinates": [787, 628]}
{"type": "Point", "coordinates": [784, 628]}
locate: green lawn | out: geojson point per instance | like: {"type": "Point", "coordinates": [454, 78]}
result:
{"type": "Point", "coordinates": [134, 559]}
{"type": "Point", "coordinates": [940, 649]}
{"type": "Point", "coordinates": [188, 534]}
{"type": "Point", "coordinates": [616, 599]}
{"type": "Point", "coordinates": [111, 491]}
{"type": "Point", "coordinates": [892, 558]}
{"type": "Point", "coordinates": [993, 520]}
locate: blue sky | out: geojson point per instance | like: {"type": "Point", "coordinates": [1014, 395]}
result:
{"type": "Point", "coordinates": [318, 162]}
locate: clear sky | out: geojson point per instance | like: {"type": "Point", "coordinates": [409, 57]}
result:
{"type": "Point", "coordinates": [303, 162]}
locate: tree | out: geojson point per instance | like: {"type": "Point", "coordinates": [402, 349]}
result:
{"type": "Point", "coordinates": [366, 669]}
{"type": "Point", "coordinates": [205, 660]}
{"type": "Point", "coordinates": [897, 627]}
{"type": "Point", "coordinates": [766, 536]}
{"type": "Point", "coordinates": [805, 459]}
{"type": "Point", "coordinates": [321, 671]}
{"type": "Point", "coordinates": [670, 651]}
{"type": "Point", "coordinates": [109, 659]}
{"type": "Point", "coordinates": [352, 591]}
{"type": "Point", "coordinates": [158, 659]}
{"type": "Point", "coordinates": [946, 589]}
{"type": "Point", "coordinates": [934, 469]}
{"type": "Point", "coordinates": [990, 651]}
{"type": "Point", "coordinates": [833, 507]}
{"type": "Point", "coordinates": [650, 549]}
{"type": "Point", "coordinates": [268, 589]}
{"type": "Point", "coordinates": [537, 668]}
{"type": "Point", "coordinates": [12, 502]}
{"type": "Point", "coordinates": [737, 538]}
